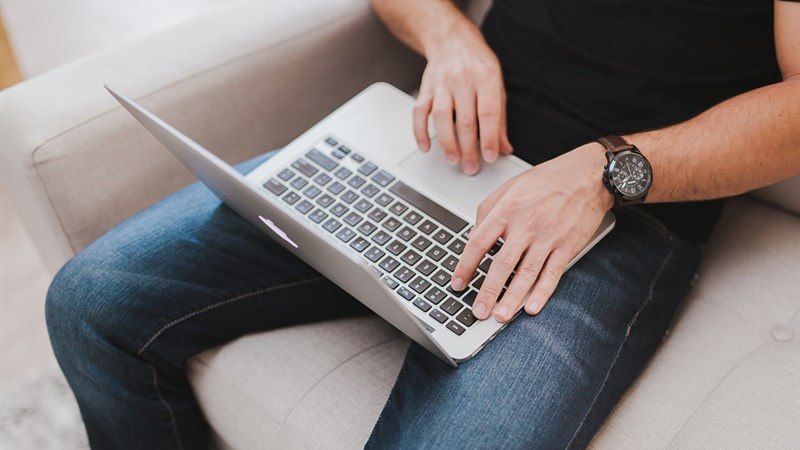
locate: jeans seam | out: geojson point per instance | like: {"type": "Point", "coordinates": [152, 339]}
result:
{"type": "Point", "coordinates": [213, 306]}
{"type": "Point", "coordinates": [164, 402]}
{"type": "Point", "coordinates": [622, 344]}
{"type": "Point", "coordinates": [643, 216]}
{"type": "Point", "coordinates": [391, 394]}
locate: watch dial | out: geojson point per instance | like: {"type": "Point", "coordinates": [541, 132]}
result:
{"type": "Point", "coordinates": [631, 174]}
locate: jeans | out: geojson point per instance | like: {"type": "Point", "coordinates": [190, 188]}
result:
{"type": "Point", "coordinates": [188, 274]}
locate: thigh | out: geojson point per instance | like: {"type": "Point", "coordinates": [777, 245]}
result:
{"type": "Point", "coordinates": [549, 381]}
{"type": "Point", "coordinates": [187, 274]}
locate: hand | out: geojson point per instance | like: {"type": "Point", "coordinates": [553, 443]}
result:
{"type": "Point", "coordinates": [545, 216]}
{"type": "Point", "coordinates": [463, 78]}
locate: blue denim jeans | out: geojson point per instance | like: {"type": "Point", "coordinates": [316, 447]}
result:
{"type": "Point", "coordinates": [188, 274]}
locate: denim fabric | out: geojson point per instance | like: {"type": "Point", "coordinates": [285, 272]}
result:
{"type": "Point", "coordinates": [188, 274]}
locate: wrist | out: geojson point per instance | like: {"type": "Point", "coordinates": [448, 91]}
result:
{"type": "Point", "coordinates": [593, 157]}
{"type": "Point", "coordinates": [452, 37]}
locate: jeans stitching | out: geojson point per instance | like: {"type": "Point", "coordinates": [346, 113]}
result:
{"type": "Point", "coordinates": [166, 405]}
{"type": "Point", "coordinates": [207, 308]}
{"type": "Point", "coordinates": [622, 344]}
{"type": "Point", "coordinates": [391, 395]}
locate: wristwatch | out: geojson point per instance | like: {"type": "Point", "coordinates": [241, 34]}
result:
{"type": "Point", "coordinates": [628, 175]}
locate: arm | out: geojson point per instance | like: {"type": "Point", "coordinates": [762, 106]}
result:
{"type": "Point", "coordinates": [749, 141]}
{"type": "Point", "coordinates": [462, 79]}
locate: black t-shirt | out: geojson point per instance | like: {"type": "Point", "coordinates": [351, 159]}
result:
{"type": "Point", "coordinates": [576, 70]}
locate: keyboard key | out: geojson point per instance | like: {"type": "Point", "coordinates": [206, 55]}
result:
{"type": "Point", "coordinates": [285, 174]}
{"type": "Point", "coordinates": [438, 316]}
{"type": "Point", "coordinates": [331, 141]}
{"type": "Point", "coordinates": [442, 236]}
{"type": "Point", "coordinates": [304, 206]}
{"type": "Point", "coordinates": [299, 183]}
{"type": "Point", "coordinates": [478, 282]}
{"type": "Point", "coordinates": [450, 263]}
{"type": "Point", "coordinates": [360, 244]}
{"type": "Point", "coordinates": [455, 328]}
{"type": "Point", "coordinates": [349, 197]}
{"type": "Point", "coordinates": [381, 237]}
{"type": "Point", "coordinates": [466, 317]}
{"type": "Point", "coordinates": [428, 206]}
{"type": "Point", "coordinates": [338, 153]}
{"type": "Point", "coordinates": [406, 233]}
{"type": "Point", "coordinates": [427, 227]}
{"type": "Point", "coordinates": [343, 173]}
{"type": "Point", "coordinates": [391, 224]}
{"type": "Point", "coordinates": [436, 253]}
{"type": "Point", "coordinates": [391, 282]}
{"type": "Point", "coordinates": [339, 209]}
{"type": "Point", "coordinates": [291, 198]}
{"type": "Point", "coordinates": [383, 178]}
{"type": "Point", "coordinates": [389, 264]}
{"type": "Point", "coordinates": [451, 306]}
{"type": "Point", "coordinates": [456, 294]}
{"type": "Point", "coordinates": [404, 274]}
{"type": "Point", "coordinates": [325, 201]}
{"type": "Point", "coordinates": [419, 284]}
{"type": "Point", "coordinates": [405, 293]}
{"type": "Point", "coordinates": [435, 295]}
{"type": "Point", "coordinates": [465, 235]}
{"type": "Point", "coordinates": [353, 219]}
{"type": "Point", "coordinates": [426, 267]}
{"type": "Point", "coordinates": [457, 246]}
{"type": "Point", "coordinates": [336, 188]}
{"type": "Point", "coordinates": [367, 228]}
{"type": "Point", "coordinates": [396, 247]}
{"type": "Point", "coordinates": [344, 149]}
{"type": "Point", "coordinates": [275, 186]}
{"type": "Point", "coordinates": [495, 248]}
{"type": "Point", "coordinates": [312, 192]}
{"type": "Point", "coordinates": [421, 243]}
{"type": "Point", "coordinates": [322, 179]}
{"type": "Point", "coordinates": [318, 216]}
{"type": "Point", "coordinates": [305, 167]}
{"type": "Point", "coordinates": [363, 205]}
{"type": "Point", "coordinates": [356, 181]}
{"type": "Point", "coordinates": [374, 254]}
{"type": "Point", "coordinates": [413, 217]}
{"type": "Point", "coordinates": [345, 234]}
{"type": "Point", "coordinates": [357, 157]}
{"type": "Point", "coordinates": [469, 299]}
{"type": "Point", "coordinates": [441, 278]}
{"type": "Point", "coordinates": [484, 266]}
{"type": "Point", "coordinates": [322, 159]}
{"type": "Point", "coordinates": [331, 225]}
{"type": "Point", "coordinates": [370, 190]}
{"type": "Point", "coordinates": [367, 169]}
{"type": "Point", "coordinates": [377, 214]}
{"type": "Point", "coordinates": [398, 208]}
{"type": "Point", "coordinates": [411, 257]}
{"type": "Point", "coordinates": [422, 304]}
{"type": "Point", "coordinates": [384, 199]}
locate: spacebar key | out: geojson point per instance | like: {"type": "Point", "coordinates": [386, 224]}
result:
{"type": "Point", "coordinates": [428, 206]}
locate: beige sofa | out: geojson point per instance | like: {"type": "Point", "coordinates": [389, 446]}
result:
{"type": "Point", "coordinates": [247, 76]}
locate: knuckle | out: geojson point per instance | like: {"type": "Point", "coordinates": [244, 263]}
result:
{"type": "Point", "coordinates": [490, 291]}
{"type": "Point", "coordinates": [527, 269]}
{"type": "Point", "coordinates": [504, 260]}
{"type": "Point", "coordinates": [487, 111]}
{"type": "Point", "coordinates": [466, 122]}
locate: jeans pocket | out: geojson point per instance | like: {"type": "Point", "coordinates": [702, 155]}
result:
{"type": "Point", "coordinates": [646, 218]}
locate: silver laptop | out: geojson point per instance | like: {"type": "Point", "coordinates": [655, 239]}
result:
{"type": "Point", "coordinates": [356, 200]}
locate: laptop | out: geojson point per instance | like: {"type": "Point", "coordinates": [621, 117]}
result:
{"type": "Point", "coordinates": [356, 200]}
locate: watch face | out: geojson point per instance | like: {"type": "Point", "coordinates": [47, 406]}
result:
{"type": "Point", "coordinates": [631, 174]}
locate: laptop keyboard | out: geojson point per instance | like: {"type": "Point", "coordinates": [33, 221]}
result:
{"type": "Point", "coordinates": [412, 242]}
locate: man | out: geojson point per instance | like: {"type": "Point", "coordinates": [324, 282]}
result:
{"type": "Point", "coordinates": [546, 78]}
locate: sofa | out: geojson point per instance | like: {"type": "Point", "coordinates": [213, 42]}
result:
{"type": "Point", "coordinates": [246, 76]}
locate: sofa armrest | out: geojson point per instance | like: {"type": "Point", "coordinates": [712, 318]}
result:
{"type": "Point", "coordinates": [240, 79]}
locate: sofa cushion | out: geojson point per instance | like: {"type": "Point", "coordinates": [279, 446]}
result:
{"type": "Point", "coordinates": [727, 371]}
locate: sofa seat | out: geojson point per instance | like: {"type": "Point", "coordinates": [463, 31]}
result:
{"type": "Point", "coordinates": [726, 376]}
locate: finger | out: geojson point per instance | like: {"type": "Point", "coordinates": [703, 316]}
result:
{"type": "Point", "coordinates": [504, 262]}
{"type": "Point", "coordinates": [467, 130]}
{"type": "Point", "coordinates": [486, 206]}
{"type": "Point", "coordinates": [422, 109]}
{"type": "Point", "coordinates": [547, 281]}
{"type": "Point", "coordinates": [527, 271]}
{"type": "Point", "coordinates": [443, 121]}
{"type": "Point", "coordinates": [489, 118]}
{"type": "Point", "coordinates": [481, 239]}
{"type": "Point", "coordinates": [505, 144]}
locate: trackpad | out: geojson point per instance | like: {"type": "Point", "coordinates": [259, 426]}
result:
{"type": "Point", "coordinates": [431, 172]}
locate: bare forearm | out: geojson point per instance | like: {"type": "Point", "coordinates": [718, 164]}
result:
{"type": "Point", "coordinates": [744, 143]}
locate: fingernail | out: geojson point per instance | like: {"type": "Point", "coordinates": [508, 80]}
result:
{"type": "Point", "coordinates": [501, 312]}
{"type": "Point", "coordinates": [452, 159]}
{"type": "Point", "coordinates": [422, 147]}
{"type": "Point", "coordinates": [470, 168]}
{"type": "Point", "coordinates": [489, 155]}
{"type": "Point", "coordinates": [533, 307]}
{"type": "Point", "coordinates": [458, 284]}
{"type": "Point", "coordinates": [479, 310]}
